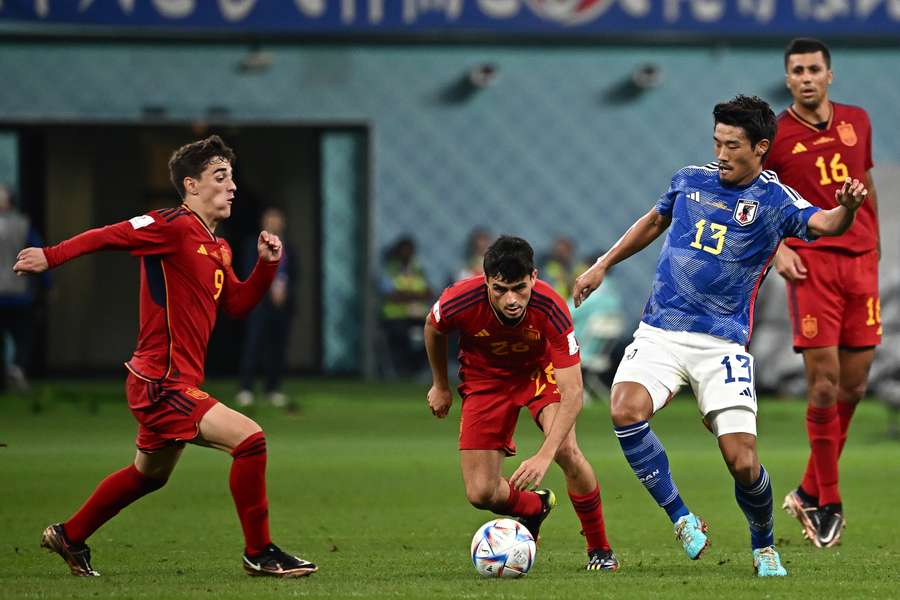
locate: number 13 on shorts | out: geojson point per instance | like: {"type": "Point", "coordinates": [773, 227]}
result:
{"type": "Point", "coordinates": [738, 368]}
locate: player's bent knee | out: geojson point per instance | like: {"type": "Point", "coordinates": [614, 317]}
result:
{"type": "Point", "coordinates": [481, 497]}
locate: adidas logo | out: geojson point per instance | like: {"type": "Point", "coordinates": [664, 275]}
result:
{"type": "Point", "coordinates": [747, 392]}
{"type": "Point", "coordinates": [798, 148]}
{"type": "Point", "coordinates": [695, 196]}
{"type": "Point", "coordinates": [482, 333]}
{"type": "Point", "coordinates": [202, 250]}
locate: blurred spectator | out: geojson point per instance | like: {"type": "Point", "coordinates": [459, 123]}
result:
{"type": "Point", "coordinates": [405, 300]}
{"type": "Point", "coordinates": [269, 325]}
{"type": "Point", "coordinates": [560, 268]}
{"type": "Point", "coordinates": [476, 245]}
{"type": "Point", "coordinates": [16, 293]}
{"type": "Point", "coordinates": [601, 325]}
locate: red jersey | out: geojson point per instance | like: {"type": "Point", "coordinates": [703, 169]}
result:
{"type": "Point", "coordinates": [186, 273]}
{"type": "Point", "coordinates": [816, 162]}
{"type": "Point", "coordinates": [491, 349]}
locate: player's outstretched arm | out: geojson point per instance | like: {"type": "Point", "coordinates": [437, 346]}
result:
{"type": "Point", "coordinates": [440, 398]}
{"type": "Point", "coordinates": [640, 235]}
{"type": "Point", "coordinates": [571, 390]}
{"type": "Point", "coordinates": [837, 220]}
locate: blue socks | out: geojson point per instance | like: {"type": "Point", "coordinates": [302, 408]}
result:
{"type": "Point", "coordinates": [756, 502]}
{"type": "Point", "coordinates": [648, 460]}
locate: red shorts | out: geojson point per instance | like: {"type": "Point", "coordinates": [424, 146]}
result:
{"type": "Point", "coordinates": [167, 414]}
{"type": "Point", "coordinates": [490, 408]}
{"type": "Point", "coordinates": [838, 303]}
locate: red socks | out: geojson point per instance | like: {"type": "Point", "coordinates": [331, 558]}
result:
{"type": "Point", "coordinates": [248, 488]}
{"type": "Point", "coordinates": [810, 484]}
{"type": "Point", "coordinates": [589, 509]}
{"type": "Point", "coordinates": [824, 429]}
{"type": "Point", "coordinates": [114, 493]}
{"type": "Point", "coordinates": [522, 503]}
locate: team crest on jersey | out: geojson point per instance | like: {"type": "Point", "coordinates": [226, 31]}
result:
{"type": "Point", "coordinates": [531, 334]}
{"type": "Point", "coordinates": [568, 12]}
{"type": "Point", "coordinates": [226, 257]}
{"type": "Point", "coordinates": [745, 211]}
{"type": "Point", "coordinates": [847, 133]}
{"type": "Point", "coordinates": [809, 327]}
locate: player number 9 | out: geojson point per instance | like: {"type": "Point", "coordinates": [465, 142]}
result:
{"type": "Point", "coordinates": [219, 281]}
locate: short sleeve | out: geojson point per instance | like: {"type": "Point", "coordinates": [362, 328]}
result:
{"type": "Point", "coordinates": [666, 202]}
{"type": "Point", "coordinates": [558, 329]}
{"type": "Point", "coordinates": [795, 213]}
{"type": "Point", "coordinates": [441, 319]}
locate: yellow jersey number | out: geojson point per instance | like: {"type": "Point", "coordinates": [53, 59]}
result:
{"type": "Point", "coordinates": [504, 348]}
{"type": "Point", "coordinates": [717, 234]}
{"type": "Point", "coordinates": [838, 170]}
{"type": "Point", "coordinates": [219, 281]}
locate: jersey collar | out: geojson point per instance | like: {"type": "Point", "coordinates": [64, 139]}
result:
{"type": "Point", "coordinates": [199, 220]}
{"type": "Point", "coordinates": [808, 124]}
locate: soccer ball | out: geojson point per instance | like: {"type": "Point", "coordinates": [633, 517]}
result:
{"type": "Point", "coordinates": [503, 548]}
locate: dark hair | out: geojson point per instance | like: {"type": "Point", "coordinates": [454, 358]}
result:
{"type": "Point", "coordinates": [509, 258]}
{"type": "Point", "coordinates": [807, 46]}
{"type": "Point", "coordinates": [191, 159]}
{"type": "Point", "coordinates": [750, 113]}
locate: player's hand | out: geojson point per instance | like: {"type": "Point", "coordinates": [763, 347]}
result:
{"type": "Point", "coordinates": [789, 264]}
{"type": "Point", "coordinates": [587, 282]}
{"type": "Point", "coordinates": [31, 261]}
{"type": "Point", "coordinates": [530, 473]}
{"type": "Point", "coordinates": [439, 401]}
{"type": "Point", "coordinates": [269, 246]}
{"type": "Point", "coordinates": [851, 194]}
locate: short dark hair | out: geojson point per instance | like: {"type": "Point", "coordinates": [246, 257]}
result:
{"type": "Point", "coordinates": [191, 159]}
{"type": "Point", "coordinates": [509, 258]}
{"type": "Point", "coordinates": [807, 46]}
{"type": "Point", "coordinates": [750, 113]}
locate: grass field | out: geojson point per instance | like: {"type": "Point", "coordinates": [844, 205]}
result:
{"type": "Point", "coordinates": [365, 482]}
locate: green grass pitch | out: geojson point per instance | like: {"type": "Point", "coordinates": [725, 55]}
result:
{"type": "Point", "coordinates": [366, 483]}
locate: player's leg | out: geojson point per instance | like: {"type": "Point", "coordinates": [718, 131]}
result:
{"type": "Point", "coordinates": [817, 307]}
{"type": "Point", "coordinates": [736, 432]}
{"type": "Point", "coordinates": [647, 378]}
{"type": "Point", "coordinates": [228, 430]}
{"type": "Point", "coordinates": [488, 421]}
{"type": "Point", "coordinates": [146, 474]}
{"type": "Point", "coordinates": [584, 492]}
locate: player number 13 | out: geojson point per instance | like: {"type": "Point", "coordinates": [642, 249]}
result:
{"type": "Point", "coordinates": [717, 235]}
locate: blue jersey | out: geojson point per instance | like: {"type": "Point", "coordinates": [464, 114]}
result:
{"type": "Point", "coordinates": [718, 250]}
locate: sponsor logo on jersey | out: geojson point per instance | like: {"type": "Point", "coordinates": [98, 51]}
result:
{"type": "Point", "coordinates": [823, 140]}
{"type": "Point", "coordinates": [809, 327]}
{"type": "Point", "coordinates": [847, 133]}
{"type": "Point", "coordinates": [483, 333]}
{"type": "Point", "coordinates": [568, 12]}
{"type": "Point", "coordinates": [745, 211]}
{"type": "Point", "coordinates": [202, 250]}
{"type": "Point", "coordinates": [798, 148]}
{"type": "Point", "coordinates": [695, 196]}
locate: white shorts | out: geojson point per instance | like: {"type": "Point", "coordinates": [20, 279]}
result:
{"type": "Point", "coordinates": [719, 371]}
